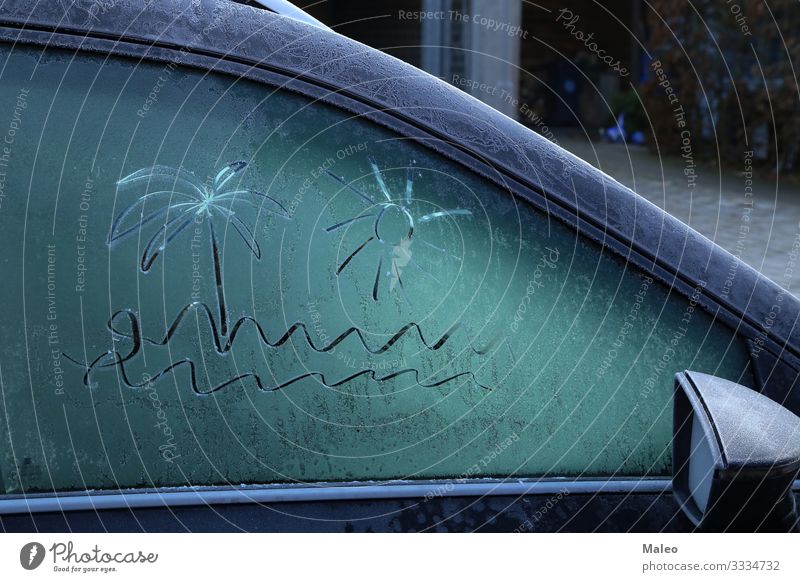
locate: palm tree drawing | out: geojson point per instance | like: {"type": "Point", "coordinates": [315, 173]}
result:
{"type": "Point", "coordinates": [393, 227]}
{"type": "Point", "coordinates": [184, 199]}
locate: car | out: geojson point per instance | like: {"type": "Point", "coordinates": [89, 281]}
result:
{"type": "Point", "coordinates": [261, 277]}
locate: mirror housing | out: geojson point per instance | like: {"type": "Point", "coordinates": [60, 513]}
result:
{"type": "Point", "coordinates": [736, 454]}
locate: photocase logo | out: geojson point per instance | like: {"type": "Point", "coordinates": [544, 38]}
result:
{"type": "Point", "coordinates": [31, 555]}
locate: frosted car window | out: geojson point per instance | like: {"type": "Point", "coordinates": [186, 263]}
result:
{"type": "Point", "coordinates": [208, 281]}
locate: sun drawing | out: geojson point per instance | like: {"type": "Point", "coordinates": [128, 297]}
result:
{"type": "Point", "coordinates": [394, 222]}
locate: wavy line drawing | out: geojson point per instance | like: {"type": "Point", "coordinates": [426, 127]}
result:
{"type": "Point", "coordinates": [393, 228]}
{"type": "Point", "coordinates": [185, 200]}
{"type": "Point", "coordinates": [223, 345]}
{"type": "Point", "coordinates": [277, 387]}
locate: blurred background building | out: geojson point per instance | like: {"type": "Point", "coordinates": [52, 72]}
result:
{"type": "Point", "coordinates": [511, 54]}
{"type": "Point", "coordinates": [582, 63]}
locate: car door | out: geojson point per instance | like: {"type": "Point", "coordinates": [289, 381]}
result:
{"type": "Point", "coordinates": [250, 277]}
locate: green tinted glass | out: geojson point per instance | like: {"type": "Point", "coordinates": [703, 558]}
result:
{"type": "Point", "coordinates": [206, 281]}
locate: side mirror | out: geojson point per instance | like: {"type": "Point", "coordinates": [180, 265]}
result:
{"type": "Point", "coordinates": [736, 454]}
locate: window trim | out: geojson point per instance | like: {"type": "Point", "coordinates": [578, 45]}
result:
{"type": "Point", "coordinates": [322, 492]}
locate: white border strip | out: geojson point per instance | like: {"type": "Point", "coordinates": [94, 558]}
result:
{"type": "Point", "coordinates": [427, 490]}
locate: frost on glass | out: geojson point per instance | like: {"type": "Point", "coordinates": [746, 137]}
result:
{"type": "Point", "coordinates": [393, 220]}
{"type": "Point", "coordinates": [230, 284]}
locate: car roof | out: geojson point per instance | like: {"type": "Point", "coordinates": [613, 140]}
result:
{"type": "Point", "coordinates": [245, 40]}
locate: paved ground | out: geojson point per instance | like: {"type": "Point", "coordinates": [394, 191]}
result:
{"type": "Point", "coordinates": [717, 206]}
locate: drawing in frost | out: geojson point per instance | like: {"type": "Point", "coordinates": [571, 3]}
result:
{"type": "Point", "coordinates": [175, 199]}
{"type": "Point", "coordinates": [181, 199]}
{"type": "Point", "coordinates": [393, 224]}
